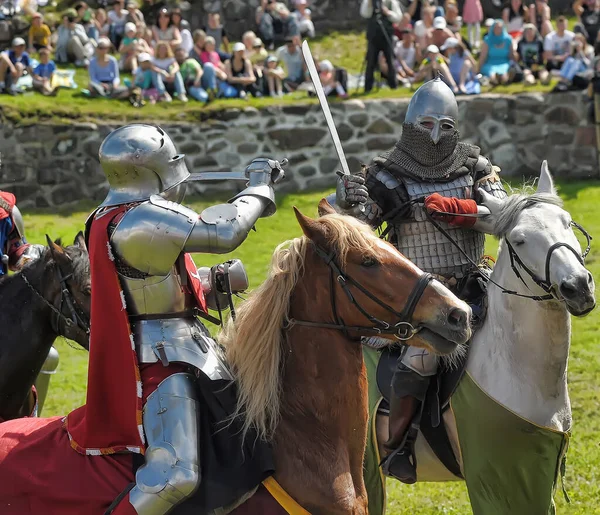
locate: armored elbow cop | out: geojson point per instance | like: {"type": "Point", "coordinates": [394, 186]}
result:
{"type": "Point", "coordinates": [221, 280]}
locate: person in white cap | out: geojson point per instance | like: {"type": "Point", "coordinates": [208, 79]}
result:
{"type": "Point", "coordinates": [275, 75]}
{"type": "Point", "coordinates": [13, 64]}
{"type": "Point", "coordinates": [240, 74]}
{"type": "Point", "coordinates": [440, 32]}
{"type": "Point", "coordinates": [129, 49]}
{"type": "Point", "coordinates": [329, 79]}
{"type": "Point", "coordinates": [460, 63]}
{"type": "Point", "coordinates": [303, 17]}
{"type": "Point", "coordinates": [434, 65]}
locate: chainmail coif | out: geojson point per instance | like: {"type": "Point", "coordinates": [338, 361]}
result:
{"type": "Point", "coordinates": [419, 155]}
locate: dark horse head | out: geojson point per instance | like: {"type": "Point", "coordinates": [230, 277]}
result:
{"type": "Point", "coordinates": [50, 297]}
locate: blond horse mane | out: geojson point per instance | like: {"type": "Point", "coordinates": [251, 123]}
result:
{"type": "Point", "coordinates": [253, 343]}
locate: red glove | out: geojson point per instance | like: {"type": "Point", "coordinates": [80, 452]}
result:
{"type": "Point", "coordinates": [436, 204]}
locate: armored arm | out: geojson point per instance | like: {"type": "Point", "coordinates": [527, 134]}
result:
{"type": "Point", "coordinates": [486, 177]}
{"type": "Point", "coordinates": [19, 251]}
{"type": "Point", "coordinates": [223, 228]}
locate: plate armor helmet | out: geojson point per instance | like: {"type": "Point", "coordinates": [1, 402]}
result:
{"type": "Point", "coordinates": [139, 161]}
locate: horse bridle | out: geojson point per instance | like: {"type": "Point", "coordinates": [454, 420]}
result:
{"type": "Point", "coordinates": [66, 298]}
{"type": "Point", "coordinates": [403, 330]}
{"type": "Point", "coordinates": [546, 284]}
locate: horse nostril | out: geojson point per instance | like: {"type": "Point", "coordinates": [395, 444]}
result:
{"type": "Point", "coordinates": [457, 317]}
{"type": "Point", "coordinates": [568, 289]}
{"type": "Point", "coordinates": [590, 279]}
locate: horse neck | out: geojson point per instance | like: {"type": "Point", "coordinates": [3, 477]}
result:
{"type": "Point", "coordinates": [321, 437]}
{"type": "Point", "coordinates": [520, 355]}
{"type": "Point", "coordinates": [27, 336]}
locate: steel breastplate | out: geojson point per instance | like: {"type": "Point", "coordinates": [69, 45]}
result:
{"type": "Point", "coordinates": [156, 295]}
{"type": "Point", "coordinates": [427, 247]}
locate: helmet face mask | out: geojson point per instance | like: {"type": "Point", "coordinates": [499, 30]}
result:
{"type": "Point", "coordinates": [438, 125]}
{"type": "Point", "coordinates": [140, 161]}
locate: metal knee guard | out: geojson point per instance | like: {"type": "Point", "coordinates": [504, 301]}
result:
{"type": "Point", "coordinates": [171, 472]}
{"type": "Point", "coordinates": [42, 382]}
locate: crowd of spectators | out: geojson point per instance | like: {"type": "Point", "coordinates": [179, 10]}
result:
{"type": "Point", "coordinates": [164, 58]}
{"type": "Point", "coordinates": [527, 44]}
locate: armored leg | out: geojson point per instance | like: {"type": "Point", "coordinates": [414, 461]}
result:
{"type": "Point", "coordinates": [42, 382]}
{"type": "Point", "coordinates": [171, 472]}
{"type": "Point", "coordinates": [409, 387]}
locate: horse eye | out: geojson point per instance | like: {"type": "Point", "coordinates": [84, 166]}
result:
{"type": "Point", "coordinates": [87, 291]}
{"type": "Point", "coordinates": [519, 243]}
{"type": "Point", "coordinates": [369, 262]}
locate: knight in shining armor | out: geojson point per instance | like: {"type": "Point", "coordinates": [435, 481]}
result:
{"type": "Point", "coordinates": [148, 349]}
{"type": "Point", "coordinates": [426, 173]}
{"type": "Point", "coordinates": [15, 253]}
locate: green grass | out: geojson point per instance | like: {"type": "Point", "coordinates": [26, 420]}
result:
{"type": "Point", "coordinates": [344, 49]}
{"type": "Point", "coordinates": [583, 471]}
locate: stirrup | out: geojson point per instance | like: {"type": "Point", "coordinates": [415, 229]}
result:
{"type": "Point", "coordinates": [403, 457]}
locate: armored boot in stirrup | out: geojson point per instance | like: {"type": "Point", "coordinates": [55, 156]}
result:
{"type": "Point", "coordinates": [407, 397]}
{"type": "Point", "coordinates": [171, 473]}
{"type": "Point", "coordinates": [42, 382]}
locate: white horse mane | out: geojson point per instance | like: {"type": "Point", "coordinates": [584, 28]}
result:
{"type": "Point", "coordinates": [515, 204]}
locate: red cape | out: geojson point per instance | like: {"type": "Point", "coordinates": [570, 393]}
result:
{"type": "Point", "coordinates": [111, 419]}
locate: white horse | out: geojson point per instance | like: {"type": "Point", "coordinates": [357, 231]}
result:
{"type": "Point", "coordinates": [510, 417]}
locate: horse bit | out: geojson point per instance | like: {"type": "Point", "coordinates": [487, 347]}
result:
{"type": "Point", "coordinates": [66, 297]}
{"type": "Point", "coordinates": [403, 330]}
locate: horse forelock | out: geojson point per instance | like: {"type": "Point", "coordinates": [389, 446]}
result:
{"type": "Point", "coordinates": [254, 343]}
{"type": "Point", "coordinates": [515, 204]}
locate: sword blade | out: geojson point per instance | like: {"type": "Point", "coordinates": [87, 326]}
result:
{"type": "Point", "coordinates": [217, 176]}
{"type": "Point", "coordinates": [314, 75]}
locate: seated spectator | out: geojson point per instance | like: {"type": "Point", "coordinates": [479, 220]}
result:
{"type": "Point", "coordinates": [258, 58]}
{"type": "Point", "coordinates": [540, 16]}
{"type": "Point", "coordinates": [211, 56]}
{"type": "Point", "coordinates": [144, 35]}
{"type": "Point", "coordinates": [496, 54]}
{"type": "Point", "coordinates": [248, 38]}
{"type": "Point", "coordinates": [215, 29]}
{"type": "Point", "coordinates": [146, 78]}
{"type": "Point", "coordinates": [187, 43]}
{"type": "Point", "coordinates": [588, 16]}
{"type": "Point", "coordinates": [530, 52]}
{"type": "Point", "coordinates": [424, 26]}
{"type": "Point", "coordinates": [43, 72]}
{"type": "Point", "coordinates": [39, 34]}
{"type": "Point", "coordinates": [557, 45]}
{"type": "Point", "coordinates": [259, 53]}
{"type": "Point", "coordinates": [135, 15]}
{"type": "Point", "coordinates": [129, 49]}
{"type": "Point", "coordinates": [291, 56]}
{"type": "Point", "coordinates": [165, 30]}
{"type": "Point", "coordinates": [440, 33]}
{"type": "Point", "coordinates": [434, 65]}
{"type": "Point", "coordinates": [191, 73]}
{"type": "Point", "coordinates": [199, 38]}
{"type": "Point", "coordinates": [303, 19]}
{"type": "Point", "coordinates": [275, 23]}
{"type": "Point", "coordinates": [117, 18]}
{"type": "Point", "coordinates": [577, 63]}
{"type": "Point", "coordinates": [473, 16]}
{"type": "Point", "coordinates": [407, 56]}
{"type": "Point", "coordinates": [462, 66]}
{"type": "Point", "coordinates": [453, 18]}
{"type": "Point", "coordinates": [169, 74]}
{"type": "Point", "coordinates": [99, 26]}
{"type": "Point", "coordinates": [329, 81]}
{"type": "Point", "coordinates": [73, 44]}
{"type": "Point", "coordinates": [240, 74]}
{"type": "Point", "coordinates": [514, 15]}
{"type": "Point", "coordinates": [275, 75]}
{"type": "Point", "coordinates": [104, 74]}
{"type": "Point", "coordinates": [13, 65]}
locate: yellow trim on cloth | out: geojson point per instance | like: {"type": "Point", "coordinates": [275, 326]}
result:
{"type": "Point", "coordinates": [283, 498]}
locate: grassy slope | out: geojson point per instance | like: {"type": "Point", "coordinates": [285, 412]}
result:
{"type": "Point", "coordinates": [344, 49]}
{"type": "Point", "coordinates": [583, 476]}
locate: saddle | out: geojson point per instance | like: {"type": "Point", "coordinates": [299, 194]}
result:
{"type": "Point", "coordinates": [437, 401]}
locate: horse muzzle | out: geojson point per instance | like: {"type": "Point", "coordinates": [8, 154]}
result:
{"type": "Point", "coordinates": [578, 293]}
{"type": "Point", "coordinates": [450, 329]}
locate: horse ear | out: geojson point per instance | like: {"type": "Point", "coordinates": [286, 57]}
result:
{"type": "Point", "coordinates": [545, 182]}
{"type": "Point", "coordinates": [80, 241]}
{"type": "Point", "coordinates": [312, 229]}
{"type": "Point", "coordinates": [325, 208]}
{"type": "Point", "coordinates": [56, 251]}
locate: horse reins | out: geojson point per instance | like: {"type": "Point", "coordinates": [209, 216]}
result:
{"type": "Point", "coordinates": [516, 262]}
{"type": "Point", "coordinates": [402, 330]}
{"type": "Point", "coordinates": [66, 297]}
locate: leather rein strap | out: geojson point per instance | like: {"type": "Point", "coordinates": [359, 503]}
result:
{"type": "Point", "coordinates": [403, 330]}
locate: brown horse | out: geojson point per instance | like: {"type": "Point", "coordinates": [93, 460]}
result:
{"type": "Point", "coordinates": [305, 387]}
{"type": "Point", "coordinates": [300, 373]}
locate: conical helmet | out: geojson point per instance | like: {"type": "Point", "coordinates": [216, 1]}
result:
{"type": "Point", "coordinates": [140, 160]}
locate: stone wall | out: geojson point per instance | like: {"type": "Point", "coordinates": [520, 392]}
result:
{"type": "Point", "coordinates": [47, 165]}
